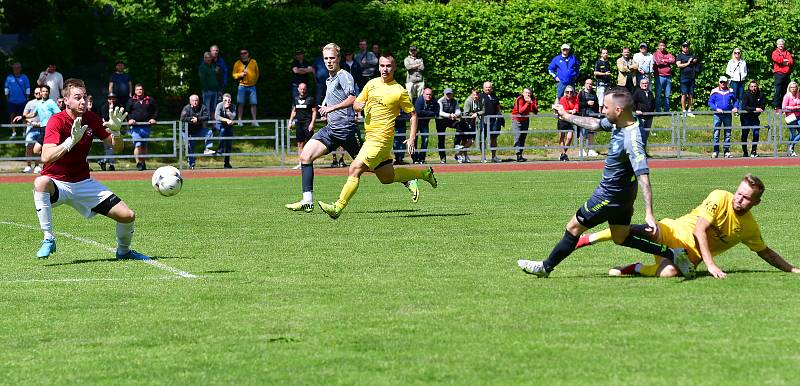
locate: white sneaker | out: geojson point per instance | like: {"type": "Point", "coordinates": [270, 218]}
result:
{"type": "Point", "coordinates": [37, 169]}
{"type": "Point", "coordinates": [14, 134]}
{"type": "Point", "coordinates": [584, 153]}
{"type": "Point", "coordinates": [714, 155]}
{"type": "Point", "coordinates": [690, 114]}
{"type": "Point", "coordinates": [459, 147]}
{"type": "Point", "coordinates": [297, 167]}
{"type": "Point", "coordinates": [459, 159]}
{"type": "Point", "coordinates": [27, 169]}
{"type": "Point", "coordinates": [239, 123]}
{"type": "Point", "coordinates": [255, 124]}
{"type": "Point", "coordinates": [533, 267]}
{"type": "Point", "coordinates": [728, 155]}
{"type": "Point", "coordinates": [593, 153]}
{"type": "Point", "coordinates": [209, 152]}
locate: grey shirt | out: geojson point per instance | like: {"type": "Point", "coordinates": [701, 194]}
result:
{"type": "Point", "coordinates": [626, 159]}
{"type": "Point", "coordinates": [340, 87]}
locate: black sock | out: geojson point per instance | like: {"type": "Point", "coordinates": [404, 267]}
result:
{"type": "Point", "coordinates": [307, 171]}
{"type": "Point", "coordinates": [561, 251]}
{"type": "Point", "coordinates": [647, 246]}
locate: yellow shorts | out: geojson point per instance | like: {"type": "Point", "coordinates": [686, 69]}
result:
{"type": "Point", "coordinates": [672, 235]}
{"type": "Point", "coordinates": [374, 153]}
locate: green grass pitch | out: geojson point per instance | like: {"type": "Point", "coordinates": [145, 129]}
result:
{"type": "Point", "coordinates": [392, 292]}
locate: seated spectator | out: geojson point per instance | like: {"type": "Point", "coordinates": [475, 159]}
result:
{"type": "Point", "coordinates": [644, 101]}
{"type": "Point", "coordinates": [226, 113]}
{"type": "Point", "coordinates": [33, 132]}
{"type": "Point", "coordinates": [523, 105]}
{"type": "Point", "coordinates": [17, 89]}
{"type": "Point", "coordinates": [571, 105]}
{"type": "Point", "coordinates": [753, 104]}
{"type": "Point", "coordinates": [142, 112]}
{"type": "Point", "coordinates": [449, 114]}
{"type": "Point", "coordinates": [791, 107]}
{"type": "Point", "coordinates": [108, 162]}
{"type": "Point", "coordinates": [722, 101]}
{"type": "Point", "coordinates": [427, 110]}
{"type": "Point", "coordinates": [196, 115]}
{"type": "Point", "coordinates": [588, 106]}
{"type": "Point", "coordinates": [472, 114]}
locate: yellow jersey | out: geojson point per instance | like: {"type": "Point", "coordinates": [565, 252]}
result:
{"type": "Point", "coordinates": [383, 104]}
{"type": "Point", "coordinates": [727, 228]}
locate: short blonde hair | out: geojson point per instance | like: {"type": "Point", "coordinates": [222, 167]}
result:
{"type": "Point", "coordinates": [754, 183]}
{"type": "Point", "coordinates": [71, 83]}
{"type": "Point", "coordinates": [333, 47]}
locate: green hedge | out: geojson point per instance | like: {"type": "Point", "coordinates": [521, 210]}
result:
{"type": "Point", "coordinates": [463, 42]}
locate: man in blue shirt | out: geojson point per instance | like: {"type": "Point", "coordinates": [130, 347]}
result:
{"type": "Point", "coordinates": [722, 101]}
{"type": "Point", "coordinates": [612, 200]}
{"type": "Point", "coordinates": [564, 69]}
{"type": "Point", "coordinates": [17, 89]}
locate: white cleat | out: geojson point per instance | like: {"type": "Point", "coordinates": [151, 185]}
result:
{"type": "Point", "coordinates": [533, 267]}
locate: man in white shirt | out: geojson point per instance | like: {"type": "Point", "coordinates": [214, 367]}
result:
{"type": "Point", "coordinates": [645, 61]}
{"type": "Point", "coordinates": [53, 79]}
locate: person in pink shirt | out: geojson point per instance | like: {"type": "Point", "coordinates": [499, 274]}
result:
{"type": "Point", "coordinates": [791, 107]}
{"type": "Point", "coordinates": [663, 62]}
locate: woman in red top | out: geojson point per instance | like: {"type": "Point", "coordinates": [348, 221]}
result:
{"type": "Point", "coordinates": [523, 105]}
{"type": "Point", "coordinates": [570, 103]}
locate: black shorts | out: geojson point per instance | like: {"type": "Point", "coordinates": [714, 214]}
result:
{"type": "Point", "coordinates": [333, 140]}
{"type": "Point", "coordinates": [597, 211]}
{"type": "Point", "coordinates": [303, 133]}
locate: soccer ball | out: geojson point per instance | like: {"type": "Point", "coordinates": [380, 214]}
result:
{"type": "Point", "coordinates": [167, 180]}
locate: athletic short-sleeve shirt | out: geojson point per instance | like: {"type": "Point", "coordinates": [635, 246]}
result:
{"type": "Point", "coordinates": [46, 109]}
{"type": "Point", "coordinates": [302, 108]}
{"type": "Point", "coordinates": [727, 228]}
{"type": "Point", "coordinates": [72, 167]}
{"type": "Point", "coordinates": [383, 104]}
{"type": "Point", "coordinates": [17, 87]}
{"type": "Point", "coordinates": [626, 160]}
{"type": "Point", "coordinates": [340, 87]}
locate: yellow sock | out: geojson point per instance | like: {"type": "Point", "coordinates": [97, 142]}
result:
{"type": "Point", "coordinates": [651, 270]}
{"type": "Point", "coordinates": [407, 174]}
{"type": "Point", "coordinates": [599, 237]}
{"type": "Point", "coordinates": [348, 190]}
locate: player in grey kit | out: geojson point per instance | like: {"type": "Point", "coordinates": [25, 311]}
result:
{"type": "Point", "coordinates": [613, 199]}
{"type": "Point", "coordinates": [341, 130]}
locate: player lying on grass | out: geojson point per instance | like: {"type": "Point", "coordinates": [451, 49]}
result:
{"type": "Point", "coordinates": [381, 101]}
{"type": "Point", "coordinates": [612, 200]}
{"type": "Point", "coordinates": [65, 177]}
{"type": "Point", "coordinates": [723, 220]}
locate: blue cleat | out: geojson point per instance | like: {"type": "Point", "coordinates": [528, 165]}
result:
{"type": "Point", "coordinates": [48, 247]}
{"type": "Point", "coordinates": [132, 255]}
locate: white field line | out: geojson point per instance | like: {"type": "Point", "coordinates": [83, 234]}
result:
{"type": "Point", "coordinates": [23, 281]}
{"type": "Point", "coordinates": [149, 261]}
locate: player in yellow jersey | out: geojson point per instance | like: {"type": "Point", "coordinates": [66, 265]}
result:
{"type": "Point", "coordinates": [381, 100]}
{"type": "Point", "coordinates": [720, 222]}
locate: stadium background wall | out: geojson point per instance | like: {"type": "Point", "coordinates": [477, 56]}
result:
{"type": "Point", "coordinates": [462, 43]}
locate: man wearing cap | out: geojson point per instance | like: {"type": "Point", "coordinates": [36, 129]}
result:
{"type": "Point", "coordinates": [414, 66]}
{"type": "Point", "coordinates": [300, 70]}
{"type": "Point", "coordinates": [564, 69]}
{"type": "Point", "coordinates": [781, 66]}
{"type": "Point", "coordinates": [663, 61]}
{"type": "Point", "coordinates": [688, 65]}
{"type": "Point", "coordinates": [627, 69]}
{"type": "Point", "coordinates": [119, 84]}
{"type": "Point", "coordinates": [722, 101]}
{"type": "Point", "coordinates": [449, 112]}
{"type": "Point", "coordinates": [644, 60]}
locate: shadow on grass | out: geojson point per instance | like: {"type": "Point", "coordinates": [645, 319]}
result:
{"type": "Point", "coordinates": [388, 211]}
{"type": "Point", "coordinates": [438, 215]}
{"type": "Point", "coordinates": [84, 261]}
{"type": "Point", "coordinates": [220, 271]}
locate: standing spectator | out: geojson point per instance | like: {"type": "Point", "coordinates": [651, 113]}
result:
{"type": "Point", "coordinates": [791, 107]}
{"type": "Point", "coordinates": [571, 105]}
{"type": "Point", "coordinates": [644, 101]}
{"type": "Point", "coordinates": [427, 109]}
{"type": "Point", "coordinates": [588, 106]}
{"type": "Point", "coordinates": [17, 89]}
{"type": "Point", "coordinates": [602, 73]}
{"type": "Point", "coordinates": [752, 105]}
{"type": "Point", "coordinates": [350, 65]}
{"type": "Point", "coordinates": [722, 101]}
{"type": "Point", "coordinates": [688, 64]}
{"type": "Point", "coordinates": [300, 70]}
{"type": "Point", "coordinates": [46, 108]}
{"type": "Point", "coordinates": [320, 75]}
{"type": "Point", "coordinates": [781, 67]}
{"type": "Point", "coordinates": [60, 103]}
{"type": "Point", "coordinates": [368, 62]}
{"type": "Point", "coordinates": [737, 71]}
{"type": "Point", "coordinates": [142, 112]}
{"type": "Point", "coordinates": [208, 82]}
{"type": "Point", "coordinates": [105, 112]}
{"type": "Point", "coordinates": [415, 83]}
{"type": "Point", "coordinates": [225, 113]}
{"type": "Point", "coordinates": [33, 132]}
{"type": "Point", "coordinates": [303, 117]}
{"type": "Point", "coordinates": [472, 113]}
{"type": "Point", "coordinates": [644, 60]}
{"type": "Point", "coordinates": [221, 69]}
{"type": "Point", "coordinates": [564, 69]}
{"type": "Point", "coordinates": [627, 69]}
{"type": "Point", "coordinates": [119, 84]}
{"type": "Point", "coordinates": [245, 70]}
{"type": "Point", "coordinates": [400, 128]}
{"type": "Point", "coordinates": [491, 106]}
{"type": "Point", "coordinates": [663, 61]}
{"type": "Point", "coordinates": [376, 51]}
{"type": "Point", "coordinates": [52, 79]}
{"type": "Point", "coordinates": [449, 113]}
{"type": "Point", "coordinates": [196, 116]}
{"type": "Point", "coordinates": [523, 105]}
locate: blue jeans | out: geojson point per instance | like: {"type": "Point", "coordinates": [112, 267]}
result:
{"type": "Point", "coordinates": [794, 135]}
{"type": "Point", "coordinates": [663, 83]}
{"type": "Point", "coordinates": [246, 95]}
{"type": "Point", "coordinates": [225, 145]}
{"type": "Point", "coordinates": [210, 101]}
{"type": "Point", "coordinates": [422, 135]}
{"type": "Point", "coordinates": [201, 132]}
{"type": "Point", "coordinates": [724, 121]}
{"type": "Point", "coordinates": [738, 89]}
{"type": "Point", "coordinates": [644, 127]}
